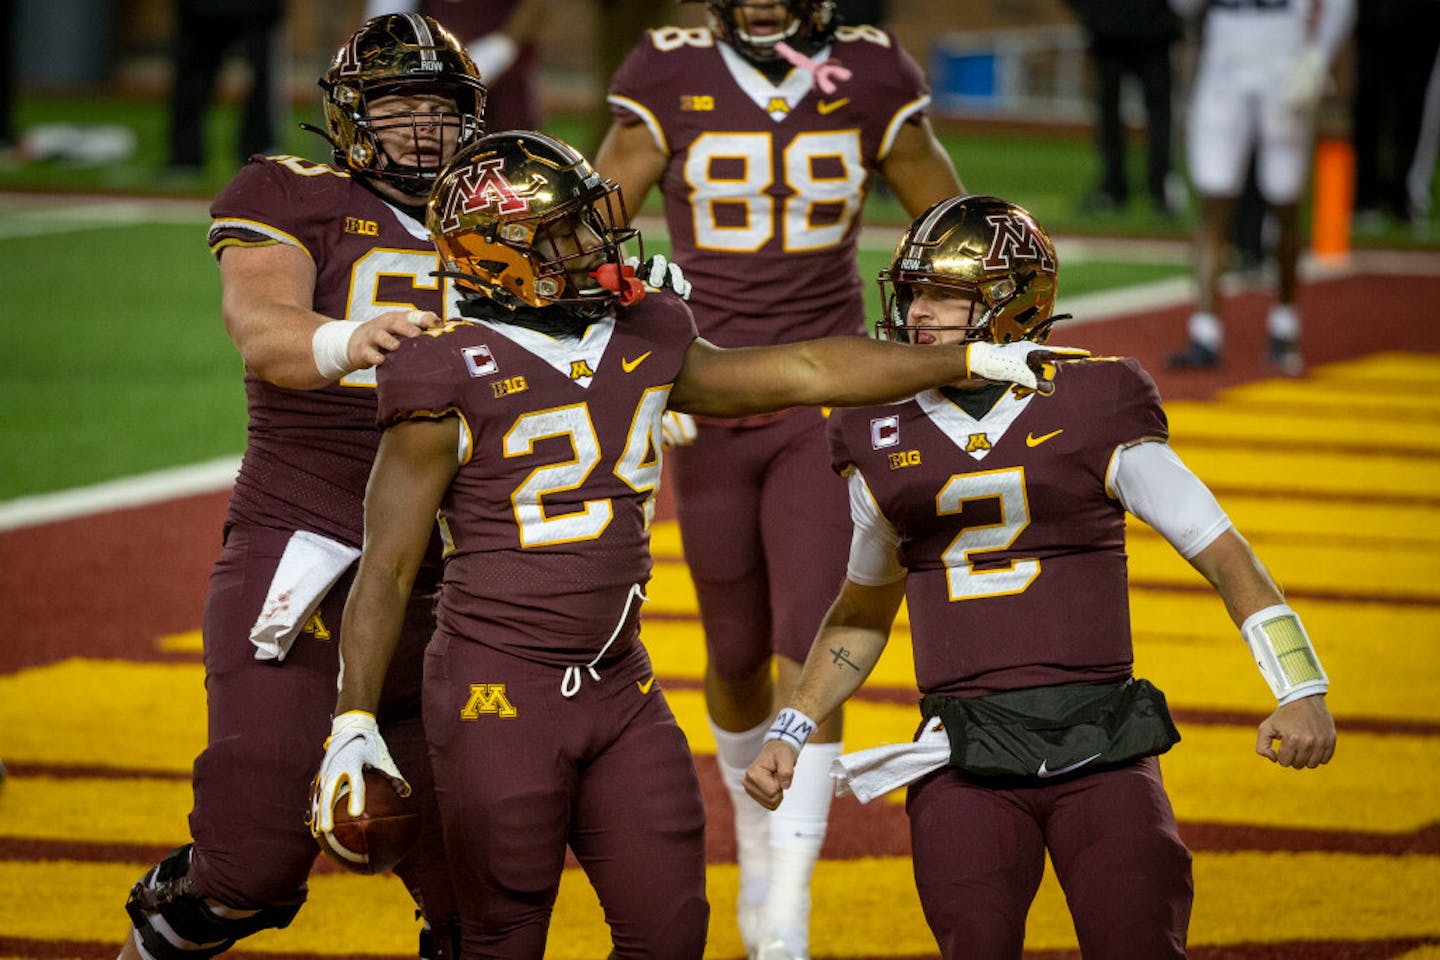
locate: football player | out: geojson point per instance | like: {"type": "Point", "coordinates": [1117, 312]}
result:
{"type": "Point", "coordinates": [1262, 69]}
{"type": "Point", "coordinates": [762, 134]}
{"type": "Point", "coordinates": [533, 425]}
{"type": "Point", "coordinates": [1003, 529]}
{"type": "Point", "coordinates": [325, 269]}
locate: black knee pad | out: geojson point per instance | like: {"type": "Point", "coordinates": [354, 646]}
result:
{"type": "Point", "coordinates": [175, 923]}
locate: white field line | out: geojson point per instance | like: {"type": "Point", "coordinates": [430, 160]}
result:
{"type": "Point", "coordinates": [138, 491]}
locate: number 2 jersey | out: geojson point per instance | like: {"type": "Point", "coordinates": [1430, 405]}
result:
{"type": "Point", "coordinates": [547, 522]}
{"type": "Point", "coordinates": [309, 452]}
{"type": "Point", "coordinates": [764, 183]}
{"type": "Point", "coordinates": [1012, 536]}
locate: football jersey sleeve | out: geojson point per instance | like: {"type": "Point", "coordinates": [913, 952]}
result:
{"type": "Point", "coordinates": [264, 203]}
{"type": "Point", "coordinates": [1136, 412]}
{"type": "Point", "coordinates": [417, 381]}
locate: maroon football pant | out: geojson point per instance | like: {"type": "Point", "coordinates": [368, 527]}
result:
{"type": "Point", "coordinates": [979, 853]}
{"type": "Point", "coordinates": [522, 771]}
{"type": "Point", "coordinates": [766, 527]}
{"type": "Point", "coordinates": [268, 722]}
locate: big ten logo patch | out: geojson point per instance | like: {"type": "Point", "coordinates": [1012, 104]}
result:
{"type": "Point", "coordinates": [488, 698]}
{"type": "Point", "coordinates": [365, 228]}
{"type": "Point", "coordinates": [697, 101]}
{"type": "Point", "coordinates": [905, 458]}
{"type": "Point", "coordinates": [503, 388]}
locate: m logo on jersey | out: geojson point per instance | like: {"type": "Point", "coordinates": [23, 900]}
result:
{"type": "Point", "coordinates": [977, 441]}
{"type": "Point", "coordinates": [480, 361]}
{"type": "Point", "coordinates": [1013, 243]}
{"type": "Point", "coordinates": [580, 370]}
{"type": "Point", "coordinates": [884, 432]}
{"type": "Point", "coordinates": [483, 187]}
{"type": "Point", "coordinates": [488, 698]}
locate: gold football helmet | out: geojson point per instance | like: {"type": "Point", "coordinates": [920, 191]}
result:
{"type": "Point", "coordinates": [810, 25]}
{"type": "Point", "coordinates": [524, 219]}
{"type": "Point", "coordinates": [985, 248]}
{"type": "Point", "coordinates": [403, 54]}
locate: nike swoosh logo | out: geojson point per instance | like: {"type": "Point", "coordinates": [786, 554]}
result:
{"type": "Point", "coordinates": [1044, 772]}
{"type": "Point", "coordinates": [1033, 441]}
{"type": "Point", "coordinates": [826, 107]}
{"type": "Point", "coordinates": [647, 684]}
{"type": "Point", "coordinates": [629, 365]}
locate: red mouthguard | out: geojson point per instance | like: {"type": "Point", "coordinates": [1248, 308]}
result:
{"type": "Point", "coordinates": [622, 280]}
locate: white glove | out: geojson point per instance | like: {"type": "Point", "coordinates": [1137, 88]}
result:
{"type": "Point", "coordinates": [677, 429]}
{"type": "Point", "coordinates": [1305, 80]}
{"type": "Point", "coordinates": [657, 273]}
{"type": "Point", "coordinates": [1026, 363]}
{"type": "Point", "coordinates": [354, 744]}
{"type": "Point", "coordinates": [493, 54]}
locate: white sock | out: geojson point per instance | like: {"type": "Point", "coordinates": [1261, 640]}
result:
{"type": "Point", "coordinates": [1283, 322]}
{"type": "Point", "coordinates": [1205, 329]}
{"type": "Point", "coordinates": [734, 752]}
{"type": "Point", "coordinates": [797, 831]}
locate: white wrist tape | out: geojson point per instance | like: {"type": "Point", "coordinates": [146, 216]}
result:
{"type": "Point", "coordinates": [1282, 650]}
{"type": "Point", "coordinates": [792, 726]}
{"type": "Point", "coordinates": [330, 346]}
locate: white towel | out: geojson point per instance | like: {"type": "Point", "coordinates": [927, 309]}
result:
{"type": "Point", "coordinates": [869, 773]}
{"type": "Point", "coordinates": [308, 568]}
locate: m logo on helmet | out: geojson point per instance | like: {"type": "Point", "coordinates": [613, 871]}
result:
{"type": "Point", "coordinates": [482, 187]}
{"type": "Point", "coordinates": [1014, 242]}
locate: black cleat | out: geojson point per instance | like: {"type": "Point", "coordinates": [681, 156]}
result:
{"type": "Point", "coordinates": [1195, 356]}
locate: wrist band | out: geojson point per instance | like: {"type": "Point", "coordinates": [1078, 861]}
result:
{"type": "Point", "coordinates": [1283, 653]}
{"type": "Point", "coordinates": [330, 346]}
{"type": "Point", "coordinates": [792, 726]}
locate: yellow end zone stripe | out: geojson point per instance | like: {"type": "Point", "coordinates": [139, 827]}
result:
{"type": "Point", "coordinates": [862, 907]}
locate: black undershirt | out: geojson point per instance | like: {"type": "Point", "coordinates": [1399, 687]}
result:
{"type": "Point", "coordinates": [975, 402]}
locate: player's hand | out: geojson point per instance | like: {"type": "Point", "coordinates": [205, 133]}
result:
{"type": "Point", "coordinates": [1025, 364]}
{"type": "Point", "coordinates": [677, 429]}
{"type": "Point", "coordinates": [354, 744]}
{"type": "Point", "coordinates": [1305, 80]}
{"type": "Point", "coordinates": [657, 273]}
{"type": "Point", "coordinates": [769, 776]}
{"type": "Point", "coordinates": [493, 54]}
{"type": "Point", "coordinates": [376, 337]}
{"type": "Point", "coordinates": [1306, 732]}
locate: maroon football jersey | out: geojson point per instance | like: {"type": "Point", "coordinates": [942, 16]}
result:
{"type": "Point", "coordinates": [764, 183]}
{"type": "Point", "coordinates": [547, 522]}
{"type": "Point", "coordinates": [309, 451]}
{"type": "Point", "coordinates": [1014, 546]}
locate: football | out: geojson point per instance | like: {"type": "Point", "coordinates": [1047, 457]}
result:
{"type": "Point", "coordinates": [374, 841]}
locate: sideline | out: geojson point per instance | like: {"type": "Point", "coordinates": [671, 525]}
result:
{"type": "Point", "coordinates": [210, 476]}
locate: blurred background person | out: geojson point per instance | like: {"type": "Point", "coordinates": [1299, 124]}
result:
{"type": "Point", "coordinates": [763, 134]}
{"type": "Point", "coordinates": [1131, 38]}
{"type": "Point", "coordinates": [206, 32]}
{"type": "Point", "coordinates": [502, 37]}
{"type": "Point", "coordinates": [1396, 43]}
{"type": "Point", "coordinates": [1262, 69]}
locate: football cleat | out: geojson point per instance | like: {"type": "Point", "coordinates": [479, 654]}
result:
{"type": "Point", "coordinates": [1195, 356]}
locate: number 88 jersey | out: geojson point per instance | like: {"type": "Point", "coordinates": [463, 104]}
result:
{"type": "Point", "coordinates": [764, 183]}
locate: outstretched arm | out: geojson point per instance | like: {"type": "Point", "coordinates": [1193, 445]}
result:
{"type": "Point", "coordinates": [848, 646]}
{"type": "Point", "coordinates": [846, 372]}
{"type": "Point", "coordinates": [267, 301]}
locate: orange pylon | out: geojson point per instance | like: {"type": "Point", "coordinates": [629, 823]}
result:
{"type": "Point", "coordinates": [1334, 199]}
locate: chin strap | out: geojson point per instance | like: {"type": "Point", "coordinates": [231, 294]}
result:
{"type": "Point", "coordinates": [622, 280]}
{"type": "Point", "coordinates": [821, 71]}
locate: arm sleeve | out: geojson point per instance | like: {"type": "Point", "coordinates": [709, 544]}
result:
{"type": "Point", "coordinates": [1153, 483]}
{"type": "Point", "coordinates": [874, 560]}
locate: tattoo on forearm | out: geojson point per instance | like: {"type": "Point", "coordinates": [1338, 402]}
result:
{"type": "Point", "coordinates": [842, 656]}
